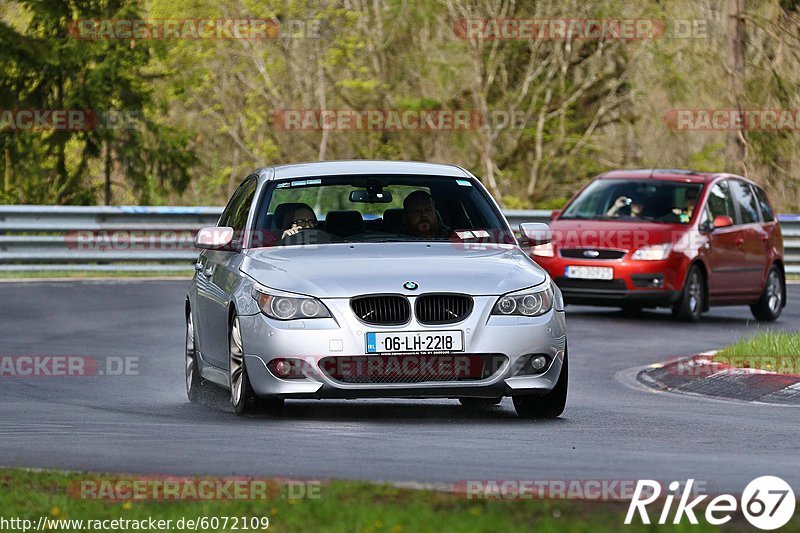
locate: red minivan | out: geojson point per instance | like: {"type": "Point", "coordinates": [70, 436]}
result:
{"type": "Point", "coordinates": [668, 238]}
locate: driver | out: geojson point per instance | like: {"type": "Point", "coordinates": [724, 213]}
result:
{"type": "Point", "coordinates": [295, 221]}
{"type": "Point", "coordinates": [420, 218]}
{"type": "Point", "coordinates": [635, 207]}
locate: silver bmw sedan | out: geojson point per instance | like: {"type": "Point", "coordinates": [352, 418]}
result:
{"type": "Point", "coordinates": [373, 279]}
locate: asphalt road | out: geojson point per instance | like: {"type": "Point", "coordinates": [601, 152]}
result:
{"type": "Point", "coordinates": [144, 424]}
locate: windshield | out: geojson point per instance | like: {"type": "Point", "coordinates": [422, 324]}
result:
{"type": "Point", "coordinates": [668, 202]}
{"type": "Point", "coordinates": [336, 209]}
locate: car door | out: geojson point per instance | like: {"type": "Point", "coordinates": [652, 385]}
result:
{"type": "Point", "coordinates": [770, 229]}
{"type": "Point", "coordinates": [753, 271]}
{"type": "Point", "coordinates": [217, 275]}
{"type": "Point", "coordinates": [726, 245]}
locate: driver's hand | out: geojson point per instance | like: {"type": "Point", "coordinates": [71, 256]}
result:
{"type": "Point", "coordinates": [294, 230]}
{"type": "Point", "coordinates": [620, 202]}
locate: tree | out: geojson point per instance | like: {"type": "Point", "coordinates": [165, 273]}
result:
{"type": "Point", "coordinates": [48, 68]}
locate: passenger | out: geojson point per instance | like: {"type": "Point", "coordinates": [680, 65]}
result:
{"type": "Point", "coordinates": [690, 202]}
{"type": "Point", "coordinates": [299, 219]}
{"type": "Point", "coordinates": [635, 207]}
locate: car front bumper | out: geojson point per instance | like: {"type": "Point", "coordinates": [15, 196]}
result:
{"type": "Point", "coordinates": [646, 283]}
{"type": "Point", "coordinates": [343, 337]}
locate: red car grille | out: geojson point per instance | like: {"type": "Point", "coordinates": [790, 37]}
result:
{"type": "Point", "coordinates": [592, 253]}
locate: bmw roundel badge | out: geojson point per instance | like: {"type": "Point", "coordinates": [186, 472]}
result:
{"type": "Point", "coordinates": [410, 285]}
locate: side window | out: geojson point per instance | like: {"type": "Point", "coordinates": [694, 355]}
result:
{"type": "Point", "coordinates": [239, 217]}
{"type": "Point", "coordinates": [230, 209]}
{"type": "Point", "coordinates": [748, 208]}
{"type": "Point", "coordinates": [720, 201]}
{"type": "Point", "coordinates": [766, 210]}
{"type": "Point", "coordinates": [705, 220]}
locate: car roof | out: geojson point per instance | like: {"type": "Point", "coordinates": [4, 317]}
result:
{"type": "Point", "coordinates": [358, 166]}
{"type": "Point", "coordinates": [672, 174]}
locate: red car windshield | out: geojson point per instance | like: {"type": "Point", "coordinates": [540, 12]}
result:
{"type": "Point", "coordinates": [668, 202]}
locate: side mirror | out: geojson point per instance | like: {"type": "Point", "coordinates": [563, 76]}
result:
{"type": "Point", "coordinates": [722, 221]}
{"type": "Point", "coordinates": [555, 214]}
{"type": "Point", "coordinates": [536, 232]}
{"type": "Point", "coordinates": [214, 238]}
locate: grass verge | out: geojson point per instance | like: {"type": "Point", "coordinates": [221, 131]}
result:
{"type": "Point", "coordinates": [341, 506]}
{"type": "Point", "coordinates": [775, 351]}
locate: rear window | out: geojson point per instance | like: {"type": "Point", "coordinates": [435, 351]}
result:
{"type": "Point", "coordinates": [748, 208]}
{"type": "Point", "coordinates": [766, 210]}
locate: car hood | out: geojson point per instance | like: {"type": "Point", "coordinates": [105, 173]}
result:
{"type": "Point", "coordinates": [613, 234]}
{"type": "Point", "coordinates": [345, 270]}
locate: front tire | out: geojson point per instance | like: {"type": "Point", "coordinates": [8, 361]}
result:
{"type": "Point", "coordinates": [195, 384]}
{"type": "Point", "coordinates": [245, 401]}
{"type": "Point", "coordinates": [769, 306]}
{"type": "Point", "coordinates": [551, 405]}
{"type": "Point", "coordinates": [690, 306]}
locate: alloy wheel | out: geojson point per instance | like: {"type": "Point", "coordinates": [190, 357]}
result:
{"type": "Point", "coordinates": [190, 355]}
{"type": "Point", "coordinates": [774, 292]}
{"type": "Point", "coordinates": [236, 363]}
{"type": "Point", "coordinates": [695, 291]}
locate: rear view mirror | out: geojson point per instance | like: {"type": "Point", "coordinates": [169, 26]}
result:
{"type": "Point", "coordinates": [555, 214]}
{"type": "Point", "coordinates": [365, 197]}
{"type": "Point", "coordinates": [722, 221]}
{"type": "Point", "coordinates": [536, 232]}
{"type": "Point", "coordinates": [214, 238]}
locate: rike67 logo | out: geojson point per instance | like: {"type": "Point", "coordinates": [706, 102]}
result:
{"type": "Point", "coordinates": [767, 502]}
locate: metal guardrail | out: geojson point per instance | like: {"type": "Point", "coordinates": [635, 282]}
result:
{"type": "Point", "coordinates": [35, 237]}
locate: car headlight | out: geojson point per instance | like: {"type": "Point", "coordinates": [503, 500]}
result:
{"type": "Point", "coordinates": [655, 252]}
{"type": "Point", "coordinates": [527, 302]}
{"type": "Point", "coordinates": [544, 250]}
{"type": "Point", "coordinates": [287, 306]}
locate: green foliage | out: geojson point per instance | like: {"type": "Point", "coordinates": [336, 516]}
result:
{"type": "Point", "coordinates": [51, 69]}
{"type": "Point", "coordinates": [205, 109]}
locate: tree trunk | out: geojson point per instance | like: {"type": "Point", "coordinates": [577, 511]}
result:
{"type": "Point", "coordinates": [7, 172]}
{"type": "Point", "coordinates": [735, 143]}
{"type": "Point", "coordinates": [323, 143]}
{"type": "Point", "coordinates": [108, 173]}
{"type": "Point", "coordinates": [233, 180]}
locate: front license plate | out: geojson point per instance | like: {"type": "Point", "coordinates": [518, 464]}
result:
{"type": "Point", "coordinates": [583, 272]}
{"type": "Point", "coordinates": [415, 342]}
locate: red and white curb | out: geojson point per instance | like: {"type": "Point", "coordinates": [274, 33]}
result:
{"type": "Point", "coordinates": [701, 375]}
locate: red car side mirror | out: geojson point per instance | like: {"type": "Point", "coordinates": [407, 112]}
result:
{"type": "Point", "coordinates": [554, 214]}
{"type": "Point", "coordinates": [722, 221]}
